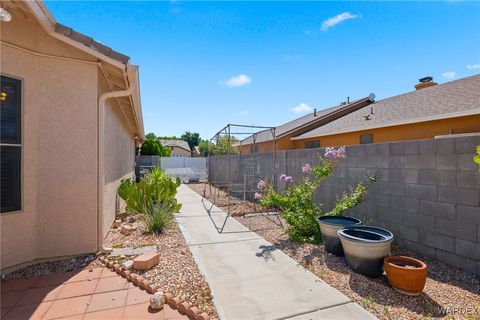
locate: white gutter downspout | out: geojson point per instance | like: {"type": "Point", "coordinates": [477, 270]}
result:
{"type": "Point", "coordinates": [101, 150]}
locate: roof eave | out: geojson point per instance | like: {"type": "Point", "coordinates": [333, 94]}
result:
{"type": "Point", "coordinates": [48, 22]}
{"type": "Point", "coordinates": [465, 113]}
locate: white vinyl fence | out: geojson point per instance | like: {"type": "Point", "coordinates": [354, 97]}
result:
{"type": "Point", "coordinates": [186, 168]}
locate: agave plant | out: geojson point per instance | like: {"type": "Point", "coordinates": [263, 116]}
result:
{"type": "Point", "coordinates": [153, 198]}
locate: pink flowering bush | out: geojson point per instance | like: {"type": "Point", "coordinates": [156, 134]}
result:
{"type": "Point", "coordinates": [297, 204]}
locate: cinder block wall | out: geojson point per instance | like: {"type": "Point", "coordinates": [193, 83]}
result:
{"type": "Point", "coordinates": [427, 192]}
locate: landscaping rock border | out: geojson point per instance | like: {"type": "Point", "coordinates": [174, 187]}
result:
{"type": "Point", "coordinates": [183, 307]}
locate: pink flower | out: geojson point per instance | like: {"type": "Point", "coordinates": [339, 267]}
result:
{"type": "Point", "coordinates": [288, 179]}
{"type": "Point", "coordinates": [342, 152]}
{"type": "Point", "coordinates": [283, 177]}
{"type": "Point", "coordinates": [258, 196]}
{"type": "Point", "coordinates": [261, 185]}
{"type": "Point", "coordinates": [306, 168]}
{"type": "Point", "coordinates": [332, 153]}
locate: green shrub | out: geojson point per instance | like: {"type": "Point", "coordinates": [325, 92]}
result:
{"type": "Point", "coordinates": [477, 157]}
{"type": "Point", "coordinates": [297, 203]}
{"type": "Point", "coordinates": [153, 147]}
{"type": "Point", "coordinates": [153, 198]}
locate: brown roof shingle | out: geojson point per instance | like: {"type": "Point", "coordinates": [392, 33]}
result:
{"type": "Point", "coordinates": [296, 124]}
{"type": "Point", "coordinates": [91, 43]}
{"type": "Point", "coordinates": [441, 101]}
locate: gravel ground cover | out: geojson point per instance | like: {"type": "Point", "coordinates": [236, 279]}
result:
{"type": "Point", "coordinates": [78, 263]}
{"type": "Point", "coordinates": [177, 273]}
{"type": "Point", "coordinates": [237, 206]}
{"type": "Point", "coordinates": [449, 293]}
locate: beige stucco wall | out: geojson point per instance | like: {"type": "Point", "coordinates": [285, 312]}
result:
{"type": "Point", "coordinates": [59, 187]}
{"type": "Point", "coordinates": [119, 156]}
{"type": "Point", "coordinates": [180, 152]}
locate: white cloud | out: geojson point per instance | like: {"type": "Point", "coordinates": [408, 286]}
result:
{"type": "Point", "coordinates": [302, 108]}
{"type": "Point", "coordinates": [333, 21]}
{"type": "Point", "coordinates": [243, 113]}
{"type": "Point", "coordinates": [448, 75]}
{"type": "Point", "coordinates": [237, 81]}
{"type": "Point", "coordinates": [473, 66]}
{"type": "Point", "coordinates": [297, 57]}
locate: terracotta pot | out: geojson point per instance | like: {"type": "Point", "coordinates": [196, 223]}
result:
{"type": "Point", "coordinates": [406, 275]}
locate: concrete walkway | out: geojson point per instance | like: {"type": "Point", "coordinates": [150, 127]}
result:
{"type": "Point", "coordinates": [249, 278]}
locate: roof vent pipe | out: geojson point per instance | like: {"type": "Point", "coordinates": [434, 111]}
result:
{"type": "Point", "coordinates": [348, 99]}
{"type": "Point", "coordinates": [315, 112]}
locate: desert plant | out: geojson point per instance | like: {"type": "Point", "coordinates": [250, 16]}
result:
{"type": "Point", "coordinates": [153, 198]}
{"type": "Point", "coordinates": [297, 203]}
{"type": "Point", "coordinates": [476, 158]}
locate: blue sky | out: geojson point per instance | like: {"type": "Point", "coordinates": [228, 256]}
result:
{"type": "Point", "coordinates": [206, 64]}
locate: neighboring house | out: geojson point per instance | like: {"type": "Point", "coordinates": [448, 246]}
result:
{"type": "Point", "coordinates": [432, 110]}
{"type": "Point", "coordinates": [263, 141]}
{"type": "Point", "coordinates": [70, 122]}
{"type": "Point", "coordinates": [179, 148]}
{"type": "Point", "coordinates": [196, 151]}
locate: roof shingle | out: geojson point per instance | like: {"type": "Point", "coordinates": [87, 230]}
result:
{"type": "Point", "coordinates": [440, 101]}
{"type": "Point", "coordinates": [90, 42]}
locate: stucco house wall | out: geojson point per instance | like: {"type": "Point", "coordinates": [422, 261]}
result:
{"type": "Point", "coordinates": [59, 207]}
{"type": "Point", "coordinates": [60, 155]}
{"type": "Point", "coordinates": [119, 156]}
{"type": "Point", "coordinates": [180, 152]}
{"type": "Point", "coordinates": [414, 131]}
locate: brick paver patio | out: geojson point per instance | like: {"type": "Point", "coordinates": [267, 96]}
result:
{"type": "Point", "coordinates": [88, 294]}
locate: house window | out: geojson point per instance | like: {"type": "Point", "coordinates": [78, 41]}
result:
{"type": "Point", "coordinates": [312, 144]}
{"type": "Point", "coordinates": [10, 144]}
{"type": "Point", "coordinates": [366, 138]}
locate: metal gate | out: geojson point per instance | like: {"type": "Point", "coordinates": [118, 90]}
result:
{"type": "Point", "coordinates": [186, 168]}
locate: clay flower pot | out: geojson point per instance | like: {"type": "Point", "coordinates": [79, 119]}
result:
{"type": "Point", "coordinates": [406, 275]}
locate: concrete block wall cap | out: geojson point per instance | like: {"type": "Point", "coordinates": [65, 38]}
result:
{"type": "Point", "coordinates": [192, 313]}
{"type": "Point", "coordinates": [183, 307]}
{"type": "Point", "coordinates": [174, 302]}
{"type": "Point", "coordinates": [203, 316]}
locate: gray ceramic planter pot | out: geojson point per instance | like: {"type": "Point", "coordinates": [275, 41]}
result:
{"type": "Point", "coordinates": [329, 226]}
{"type": "Point", "coordinates": [365, 247]}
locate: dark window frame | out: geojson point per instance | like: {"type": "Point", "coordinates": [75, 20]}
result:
{"type": "Point", "coordinates": [368, 137]}
{"type": "Point", "coordinates": [312, 144]}
{"type": "Point", "coordinates": [14, 146]}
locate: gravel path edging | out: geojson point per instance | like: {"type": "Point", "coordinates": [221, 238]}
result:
{"type": "Point", "coordinates": [183, 307]}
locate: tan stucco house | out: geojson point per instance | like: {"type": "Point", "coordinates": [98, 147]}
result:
{"type": "Point", "coordinates": [71, 121]}
{"type": "Point", "coordinates": [178, 148]}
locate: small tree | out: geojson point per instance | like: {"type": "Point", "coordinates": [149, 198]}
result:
{"type": "Point", "coordinates": [153, 147]}
{"type": "Point", "coordinates": [193, 139]}
{"type": "Point", "coordinates": [297, 202]}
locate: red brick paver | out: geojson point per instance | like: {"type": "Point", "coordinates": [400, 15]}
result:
{"type": "Point", "coordinates": [89, 294]}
